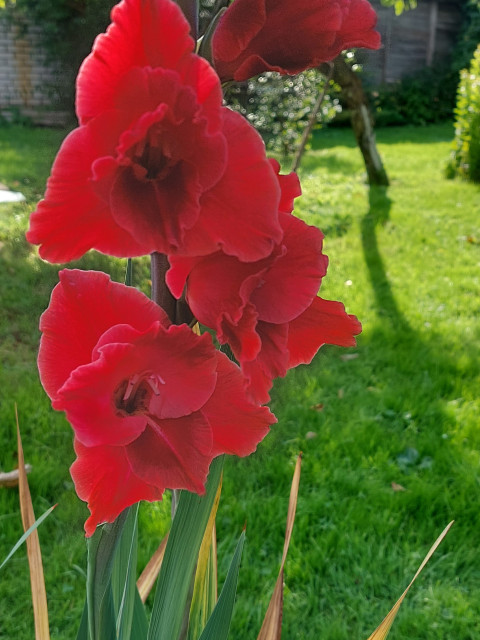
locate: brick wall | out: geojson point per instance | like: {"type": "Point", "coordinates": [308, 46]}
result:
{"type": "Point", "coordinates": [28, 85]}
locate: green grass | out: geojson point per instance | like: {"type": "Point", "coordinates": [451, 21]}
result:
{"type": "Point", "coordinates": [406, 261]}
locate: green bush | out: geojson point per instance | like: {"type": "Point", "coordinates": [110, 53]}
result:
{"type": "Point", "coordinates": [426, 96]}
{"type": "Point", "coordinates": [469, 35]}
{"type": "Point", "coordinates": [465, 157]}
{"type": "Point", "coordinates": [279, 107]}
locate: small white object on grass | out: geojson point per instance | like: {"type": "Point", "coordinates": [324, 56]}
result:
{"type": "Point", "coordinates": [11, 196]}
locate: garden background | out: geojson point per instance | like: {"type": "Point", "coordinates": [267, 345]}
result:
{"type": "Point", "coordinates": [389, 430]}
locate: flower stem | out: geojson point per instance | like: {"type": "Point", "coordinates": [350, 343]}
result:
{"type": "Point", "coordinates": [160, 293]}
{"type": "Point", "coordinates": [177, 310]}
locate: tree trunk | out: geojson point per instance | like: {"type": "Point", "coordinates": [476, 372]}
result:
{"type": "Point", "coordinates": [356, 101]}
{"type": "Point", "coordinates": [312, 120]}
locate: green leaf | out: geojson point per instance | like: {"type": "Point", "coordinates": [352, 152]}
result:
{"type": "Point", "coordinates": [21, 540]}
{"type": "Point", "coordinates": [83, 629]}
{"type": "Point", "coordinates": [129, 273]}
{"type": "Point", "coordinates": [188, 527]}
{"type": "Point", "coordinates": [218, 624]}
{"type": "Point", "coordinates": [139, 622]}
{"type": "Point", "coordinates": [124, 576]}
{"type": "Point", "coordinates": [101, 552]}
{"type": "Point", "coordinates": [204, 596]}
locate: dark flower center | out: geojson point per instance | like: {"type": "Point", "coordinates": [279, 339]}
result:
{"type": "Point", "coordinates": [154, 157]}
{"type": "Point", "coordinates": [132, 396]}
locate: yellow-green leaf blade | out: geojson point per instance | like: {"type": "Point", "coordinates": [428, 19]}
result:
{"type": "Point", "coordinates": [37, 580]}
{"type": "Point", "coordinates": [205, 586]}
{"type": "Point", "coordinates": [177, 572]}
{"type": "Point", "coordinates": [272, 623]}
{"type": "Point", "coordinates": [218, 624]}
{"type": "Point", "coordinates": [383, 629]}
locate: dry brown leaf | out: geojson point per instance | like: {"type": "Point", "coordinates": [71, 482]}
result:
{"type": "Point", "coordinates": [37, 581]}
{"type": "Point", "coordinates": [10, 478]}
{"type": "Point", "coordinates": [272, 623]}
{"type": "Point", "coordinates": [148, 576]}
{"type": "Point", "coordinates": [397, 487]}
{"type": "Point", "coordinates": [383, 629]}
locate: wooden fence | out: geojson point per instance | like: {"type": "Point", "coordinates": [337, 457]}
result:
{"type": "Point", "coordinates": [418, 38]}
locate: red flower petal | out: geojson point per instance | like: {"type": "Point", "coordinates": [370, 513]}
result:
{"type": "Point", "coordinates": [324, 322]}
{"type": "Point", "coordinates": [174, 453]}
{"type": "Point", "coordinates": [151, 404]}
{"type": "Point", "coordinates": [180, 268]}
{"type": "Point", "coordinates": [293, 279]}
{"type": "Point", "coordinates": [289, 186]}
{"type": "Point", "coordinates": [270, 363]}
{"type": "Point", "coordinates": [359, 20]}
{"type": "Point", "coordinates": [163, 373]}
{"type": "Point", "coordinates": [73, 218]}
{"type": "Point", "coordinates": [288, 37]}
{"type": "Point", "coordinates": [87, 398]}
{"type": "Point", "coordinates": [238, 425]}
{"type": "Point", "coordinates": [220, 286]}
{"type": "Point", "coordinates": [158, 174]}
{"type": "Point", "coordinates": [241, 335]}
{"type": "Point", "coordinates": [240, 213]}
{"type": "Point", "coordinates": [154, 182]}
{"type": "Point", "coordinates": [218, 293]}
{"type": "Point", "coordinates": [188, 367]}
{"type": "Point", "coordinates": [144, 33]}
{"type": "Point", "coordinates": [104, 478]}
{"type": "Point", "coordinates": [83, 306]}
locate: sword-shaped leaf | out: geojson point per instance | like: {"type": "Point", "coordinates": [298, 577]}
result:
{"type": "Point", "coordinates": [37, 581]}
{"type": "Point", "coordinates": [383, 629]}
{"type": "Point", "coordinates": [272, 623]}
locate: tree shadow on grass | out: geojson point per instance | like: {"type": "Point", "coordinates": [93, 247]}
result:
{"type": "Point", "coordinates": [332, 163]}
{"type": "Point", "coordinates": [418, 353]}
{"type": "Point", "coordinates": [328, 138]}
{"type": "Point", "coordinates": [378, 214]}
{"type": "Point", "coordinates": [385, 416]}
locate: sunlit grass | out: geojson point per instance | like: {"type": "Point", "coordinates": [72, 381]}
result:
{"type": "Point", "coordinates": [405, 409]}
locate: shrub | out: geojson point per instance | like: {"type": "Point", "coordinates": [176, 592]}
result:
{"type": "Point", "coordinates": [469, 35]}
{"type": "Point", "coordinates": [465, 157]}
{"type": "Point", "coordinates": [279, 106]}
{"type": "Point", "coordinates": [426, 96]}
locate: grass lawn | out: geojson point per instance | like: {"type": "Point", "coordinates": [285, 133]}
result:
{"type": "Point", "coordinates": [402, 408]}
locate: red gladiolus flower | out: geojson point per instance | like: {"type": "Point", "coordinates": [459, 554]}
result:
{"type": "Point", "coordinates": [289, 36]}
{"type": "Point", "coordinates": [267, 311]}
{"type": "Point", "coordinates": [151, 403]}
{"type": "Point", "coordinates": [157, 164]}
